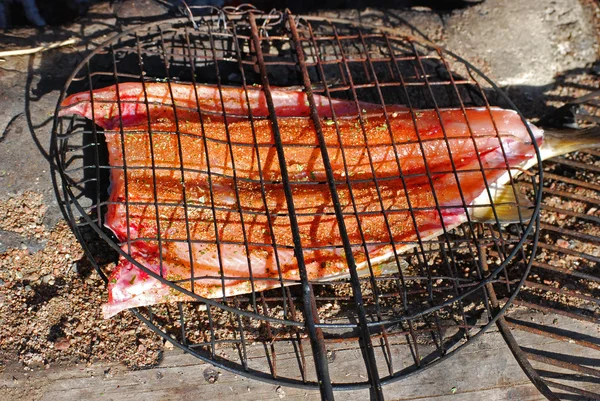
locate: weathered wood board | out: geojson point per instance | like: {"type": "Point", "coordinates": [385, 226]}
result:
{"type": "Point", "coordinates": [485, 370]}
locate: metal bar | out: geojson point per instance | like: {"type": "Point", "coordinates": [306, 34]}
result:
{"type": "Point", "coordinates": [235, 178]}
{"type": "Point", "coordinates": [423, 74]}
{"type": "Point", "coordinates": [298, 339]}
{"type": "Point", "coordinates": [211, 327]}
{"type": "Point", "coordinates": [180, 154]}
{"type": "Point", "coordinates": [244, 352]}
{"type": "Point", "coordinates": [137, 130]}
{"type": "Point", "coordinates": [567, 272]}
{"type": "Point", "coordinates": [588, 394]}
{"type": "Point", "coordinates": [593, 152]}
{"type": "Point", "coordinates": [499, 244]}
{"type": "Point", "coordinates": [562, 291]}
{"type": "Point", "coordinates": [208, 173]}
{"type": "Point", "coordinates": [310, 308]}
{"type": "Point", "coordinates": [571, 233]}
{"type": "Point", "coordinates": [181, 323]}
{"type": "Point", "coordinates": [568, 195]}
{"type": "Point", "coordinates": [533, 355]}
{"type": "Point", "coordinates": [151, 145]}
{"type": "Point", "coordinates": [366, 342]}
{"type": "Point", "coordinates": [259, 167]}
{"type": "Point", "coordinates": [422, 262]}
{"type": "Point", "coordinates": [270, 338]}
{"type": "Point", "coordinates": [591, 218]}
{"type": "Point", "coordinates": [353, 200]}
{"type": "Point", "coordinates": [577, 165]}
{"type": "Point", "coordinates": [517, 352]}
{"type": "Point", "coordinates": [523, 362]}
{"type": "Point", "coordinates": [122, 137]}
{"type": "Point", "coordinates": [337, 340]}
{"type": "Point", "coordinates": [538, 330]}
{"type": "Point", "coordinates": [571, 252]}
{"type": "Point", "coordinates": [547, 309]}
{"type": "Point", "coordinates": [96, 152]}
{"type": "Point", "coordinates": [537, 190]}
{"type": "Point", "coordinates": [378, 87]}
{"type": "Point", "coordinates": [573, 181]}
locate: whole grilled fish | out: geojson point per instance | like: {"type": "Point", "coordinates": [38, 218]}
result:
{"type": "Point", "coordinates": [412, 175]}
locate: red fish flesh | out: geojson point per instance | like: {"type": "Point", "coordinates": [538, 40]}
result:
{"type": "Point", "coordinates": [225, 203]}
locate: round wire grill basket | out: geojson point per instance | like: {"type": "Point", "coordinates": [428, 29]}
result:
{"type": "Point", "coordinates": [428, 302]}
{"type": "Point", "coordinates": [563, 282]}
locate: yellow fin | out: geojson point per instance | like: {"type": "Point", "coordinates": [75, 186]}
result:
{"type": "Point", "coordinates": [508, 207]}
{"type": "Point", "coordinates": [383, 265]}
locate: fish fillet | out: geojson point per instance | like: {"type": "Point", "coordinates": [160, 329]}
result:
{"type": "Point", "coordinates": [230, 230]}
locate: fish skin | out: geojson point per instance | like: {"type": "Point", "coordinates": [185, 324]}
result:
{"type": "Point", "coordinates": [129, 103]}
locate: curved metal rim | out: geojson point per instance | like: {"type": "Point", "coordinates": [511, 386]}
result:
{"type": "Point", "coordinates": [211, 302]}
{"type": "Point", "coordinates": [56, 167]}
{"type": "Point", "coordinates": [264, 377]}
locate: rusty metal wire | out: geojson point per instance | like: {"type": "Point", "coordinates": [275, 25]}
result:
{"type": "Point", "coordinates": [563, 282]}
{"type": "Point", "coordinates": [402, 322]}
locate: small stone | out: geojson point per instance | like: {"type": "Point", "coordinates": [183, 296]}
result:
{"type": "Point", "coordinates": [280, 392]}
{"type": "Point", "coordinates": [562, 243]}
{"type": "Point", "coordinates": [73, 268]}
{"type": "Point", "coordinates": [34, 361]}
{"type": "Point", "coordinates": [211, 375]}
{"type": "Point", "coordinates": [62, 344]}
{"type": "Point", "coordinates": [421, 9]}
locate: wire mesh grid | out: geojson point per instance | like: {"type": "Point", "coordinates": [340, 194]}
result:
{"type": "Point", "coordinates": [434, 297]}
{"type": "Point", "coordinates": [562, 346]}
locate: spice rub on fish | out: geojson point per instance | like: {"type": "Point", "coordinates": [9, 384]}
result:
{"type": "Point", "coordinates": [410, 154]}
{"type": "Point", "coordinates": [392, 146]}
{"type": "Point", "coordinates": [225, 270]}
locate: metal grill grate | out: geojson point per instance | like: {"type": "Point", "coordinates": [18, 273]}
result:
{"type": "Point", "coordinates": [301, 335]}
{"type": "Point", "coordinates": [563, 282]}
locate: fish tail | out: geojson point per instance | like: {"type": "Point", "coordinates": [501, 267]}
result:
{"type": "Point", "coordinates": [560, 142]}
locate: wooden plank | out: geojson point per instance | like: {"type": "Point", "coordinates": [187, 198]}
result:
{"type": "Point", "coordinates": [490, 370]}
{"type": "Point", "coordinates": [484, 370]}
